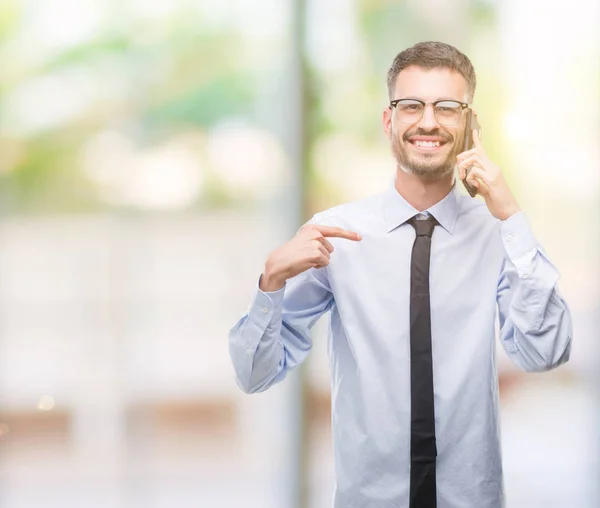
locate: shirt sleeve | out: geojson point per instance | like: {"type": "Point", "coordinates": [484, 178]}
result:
{"type": "Point", "coordinates": [535, 322]}
{"type": "Point", "coordinates": [273, 337]}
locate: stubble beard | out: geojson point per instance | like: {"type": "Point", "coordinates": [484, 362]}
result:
{"type": "Point", "coordinates": [425, 166]}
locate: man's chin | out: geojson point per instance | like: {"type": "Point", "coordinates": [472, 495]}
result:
{"type": "Point", "coordinates": [428, 166]}
{"type": "Point", "coordinates": [428, 171]}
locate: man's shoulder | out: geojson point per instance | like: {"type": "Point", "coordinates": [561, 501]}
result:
{"type": "Point", "coordinates": [351, 212]}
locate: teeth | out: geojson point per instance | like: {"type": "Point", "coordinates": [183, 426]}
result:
{"type": "Point", "coordinates": [429, 144]}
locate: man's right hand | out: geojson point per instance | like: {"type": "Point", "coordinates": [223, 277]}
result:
{"type": "Point", "coordinates": [308, 249]}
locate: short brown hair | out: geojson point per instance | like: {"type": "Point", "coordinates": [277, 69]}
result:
{"type": "Point", "coordinates": [430, 55]}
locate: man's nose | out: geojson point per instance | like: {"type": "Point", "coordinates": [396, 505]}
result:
{"type": "Point", "coordinates": [428, 120]}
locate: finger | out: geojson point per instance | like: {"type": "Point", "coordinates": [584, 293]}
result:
{"type": "Point", "coordinates": [463, 167]}
{"type": "Point", "coordinates": [469, 161]}
{"type": "Point", "coordinates": [482, 188]}
{"type": "Point", "coordinates": [476, 174]}
{"type": "Point", "coordinates": [475, 159]}
{"type": "Point", "coordinates": [322, 249]}
{"type": "Point", "coordinates": [330, 231]}
{"type": "Point", "coordinates": [472, 182]}
{"type": "Point", "coordinates": [466, 171]}
{"type": "Point", "coordinates": [463, 171]}
{"type": "Point", "coordinates": [321, 261]}
{"type": "Point", "coordinates": [467, 153]}
{"type": "Point", "coordinates": [477, 139]}
{"type": "Point", "coordinates": [326, 243]}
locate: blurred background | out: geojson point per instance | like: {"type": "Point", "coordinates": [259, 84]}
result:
{"type": "Point", "coordinates": [153, 153]}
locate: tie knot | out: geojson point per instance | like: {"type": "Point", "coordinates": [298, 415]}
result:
{"type": "Point", "coordinates": [423, 227]}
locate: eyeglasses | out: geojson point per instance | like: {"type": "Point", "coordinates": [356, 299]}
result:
{"type": "Point", "coordinates": [446, 112]}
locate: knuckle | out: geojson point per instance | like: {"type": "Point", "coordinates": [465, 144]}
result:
{"type": "Point", "coordinates": [308, 233]}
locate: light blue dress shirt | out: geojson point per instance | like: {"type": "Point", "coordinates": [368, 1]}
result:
{"type": "Point", "coordinates": [488, 279]}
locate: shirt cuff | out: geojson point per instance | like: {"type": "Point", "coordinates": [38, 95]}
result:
{"type": "Point", "coordinates": [265, 308]}
{"type": "Point", "coordinates": [519, 243]}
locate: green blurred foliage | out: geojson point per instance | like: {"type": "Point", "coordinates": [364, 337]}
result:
{"type": "Point", "coordinates": [181, 74]}
{"type": "Point", "coordinates": [9, 16]}
{"type": "Point", "coordinates": [189, 77]}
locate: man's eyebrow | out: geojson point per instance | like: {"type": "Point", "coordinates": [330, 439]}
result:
{"type": "Point", "coordinates": [413, 98]}
{"type": "Point", "coordinates": [448, 99]}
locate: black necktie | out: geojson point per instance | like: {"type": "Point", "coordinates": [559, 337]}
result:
{"type": "Point", "coordinates": [422, 434]}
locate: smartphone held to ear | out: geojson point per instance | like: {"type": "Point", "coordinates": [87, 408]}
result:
{"type": "Point", "coordinates": [471, 124]}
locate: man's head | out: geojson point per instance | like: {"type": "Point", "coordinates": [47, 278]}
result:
{"type": "Point", "coordinates": [427, 144]}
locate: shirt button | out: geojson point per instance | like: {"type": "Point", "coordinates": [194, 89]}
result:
{"type": "Point", "coordinates": [526, 275]}
{"type": "Point", "coordinates": [510, 237]}
{"type": "Point", "coordinates": [249, 352]}
{"type": "Point", "coordinates": [265, 310]}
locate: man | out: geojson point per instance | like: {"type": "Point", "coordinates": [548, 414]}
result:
{"type": "Point", "coordinates": [415, 279]}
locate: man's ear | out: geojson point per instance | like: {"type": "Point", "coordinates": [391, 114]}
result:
{"type": "Point", "coordinates": [387, 122]}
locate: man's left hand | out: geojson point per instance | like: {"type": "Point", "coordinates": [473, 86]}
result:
{"type": "Point", "coordinates": [488, 179]}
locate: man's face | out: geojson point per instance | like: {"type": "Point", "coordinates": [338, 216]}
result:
{"type": "Point", "coordinates": [428, 85]}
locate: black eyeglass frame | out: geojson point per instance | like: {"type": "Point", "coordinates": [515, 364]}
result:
{"type": "Point", "coordinates": [463, 106]}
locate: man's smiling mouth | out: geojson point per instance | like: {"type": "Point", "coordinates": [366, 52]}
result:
{"type": "Point", "coordinates": [427, 144]}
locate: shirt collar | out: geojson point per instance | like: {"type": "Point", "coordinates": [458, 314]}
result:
{"type": "Point", "coordinates": [397, 210]}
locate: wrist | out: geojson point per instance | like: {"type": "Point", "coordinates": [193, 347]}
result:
{"type": "Point", "coordinates": [509, 212]}
{"type": "Point", "coordinates": [271, 281]}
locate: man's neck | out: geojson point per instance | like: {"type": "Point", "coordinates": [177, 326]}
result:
{"type": "Point", "coordinates": [420, 193]}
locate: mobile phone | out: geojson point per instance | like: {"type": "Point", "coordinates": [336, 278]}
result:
{"type": "Point", "coordinates": [471, 124]}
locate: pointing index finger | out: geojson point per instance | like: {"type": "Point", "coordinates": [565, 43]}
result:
{"type": "Point", "coordinates": [331, 231]}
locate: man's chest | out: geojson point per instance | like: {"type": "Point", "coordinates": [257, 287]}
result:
{"type": "Point", "coordinates": [371, 286]}
{"type": "Point", "coordinates": [374, 276]}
